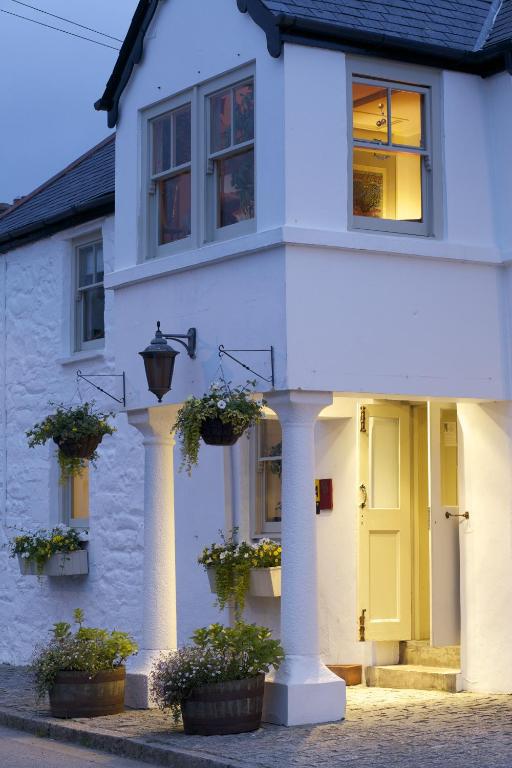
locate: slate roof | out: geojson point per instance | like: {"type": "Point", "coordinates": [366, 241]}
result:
{"type": "Point", "coordinates": [82, 191]}
{"type": "Point", "coordinates": [450, 23]}
{"type": "Point", "coordinates": [467, 35]}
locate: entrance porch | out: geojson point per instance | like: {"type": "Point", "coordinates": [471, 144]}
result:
{"type": "Point", "coordinates": [326, 580]}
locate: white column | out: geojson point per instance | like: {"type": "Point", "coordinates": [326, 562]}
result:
{"type": "Point", "coordinates": [303, 690]}
{"type": "Point", "coordinates": [159, 570]}
{"type": "Point", "coordinates": [485, 485]}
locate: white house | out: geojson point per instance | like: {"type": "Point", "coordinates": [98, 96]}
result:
{"type": "Point", "coordinates": [329, 180]}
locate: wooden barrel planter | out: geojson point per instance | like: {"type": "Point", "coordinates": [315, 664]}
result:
{"type": "Point", "coordinates": [77, 694]}
{"type": "Point", "coordinates": [215, 432]}
{"type": "Point", "coordinates": [219, 709]}
{"type": "Point", "coordinates": [79, 449]}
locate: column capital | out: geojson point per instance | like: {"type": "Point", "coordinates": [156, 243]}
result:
{"type": "Point", "coordinates": [298, 405]}
{"type": "Point", "coordinates": [155, 424]}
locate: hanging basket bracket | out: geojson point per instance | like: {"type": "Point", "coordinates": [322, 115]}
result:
{"type": "Point", "coordinates": [268, 351]}
{"type": "Point", "coordinates": [121, 400]}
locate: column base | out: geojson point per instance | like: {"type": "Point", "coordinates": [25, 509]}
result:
{"type": "Point", "coordinates": [138, 670]}
{"type": "Point", "coordinates": [304, 692]}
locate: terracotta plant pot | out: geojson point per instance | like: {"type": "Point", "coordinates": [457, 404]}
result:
{"type": "Point", "coordinates": [215, 432]}
{"type": "Point", "coordinates": [222, 708]}
{"type": "Point", "coordinates": [76, 694]}
{"type": "Point", "coordinates": [79, 449]}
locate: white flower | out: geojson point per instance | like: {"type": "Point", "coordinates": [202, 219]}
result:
{"type": "Point", "coordinates": [26, 555]}
{"type": "Point", "coordinates": [221, 404]}
{"type": "Point", "coordinates": [260, 403]}
{"type": "Point", "coordinates": [222, 555]}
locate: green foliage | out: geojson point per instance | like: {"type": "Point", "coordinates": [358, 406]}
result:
{"type": "Point", "coordinates": [218, 654]}
{"type": "Point", "coordinates": [232, 563]}
{"type": "Point", "coordinates": [74, 426]}
{"type": "Point", "coordinates": [86, 650]}
{"type": "Point", "coordinates": [232, 406]}
{"type": "Point", "coordinates": [38, 547]}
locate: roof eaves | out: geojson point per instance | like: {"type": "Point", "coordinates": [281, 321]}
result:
{"type": "Point", "coordinates": [129, 55]}
{"type": "Point", "coordinates": [288, 28]}
{"type": "Point", "coordinates": [76, 214]}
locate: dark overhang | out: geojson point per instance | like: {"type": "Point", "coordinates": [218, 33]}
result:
{"type": "Point", "coordinates": [281, 28]}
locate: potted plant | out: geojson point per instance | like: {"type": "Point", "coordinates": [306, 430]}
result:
{"type": "Point", "coordinates": [76, 431]}
{"type": "Point", "coordinates": [218, 418]}
{"type": "Point", "coordinates": [58, 552]}
{"type": "Point", "coordinates": [83, 671]}
{"type": "Point", "coordinates": [216, 684]}
{"type": "Point", "coordinates": [237, 569]}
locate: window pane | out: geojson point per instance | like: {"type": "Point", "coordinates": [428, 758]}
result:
{"type": "Point", "coordinates": [182, 136]}
{"type": "Point", "coordinates": [384, 463]}
{"type": "Point", "coordinates": [99, 263]}
{"type": "Point", "coordinates": [174, 206]}
{"type": "Point", "coordinates": [93, 324]}
{"type": "Point", "coordinates": [220, 106]}
{"type": "Point", "coordinates": [406, 118]}
{"type": "Point", "coordinates": [387, 185]}
{"type": "Point", "coordinates": [243, 118]}
{"type": "Point", "coordinates": [370, 112]}
{"type": "Point", "coordinates": [162, 144]}
{"type": "Point", "coordinates": [80, 496]}
{"type": "Point", "coordinates": [86, 265]}
{"type": "Point", "coordinates": [270, 438]}
{"type": "Point", "coordinates": [271, 491]}
{"type": "Point", "coordinates": [236, 188]}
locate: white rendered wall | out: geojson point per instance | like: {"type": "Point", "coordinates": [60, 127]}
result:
{"type": "Point", "coordinates": [485, 458]}
{"type": "Point", "coordinates": [35, 331]}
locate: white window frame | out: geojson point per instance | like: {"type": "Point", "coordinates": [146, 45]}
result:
{"type": "Point", "coordinates": [407, 78]}
{"type": "Point", "coordinates": [66, 505]}
{"type": "Point", "coordinates": [203, 198]}
{"type": "Point", "coordinates": [79, 345]}
{"type": "Point", "coordinates": [260, 528]}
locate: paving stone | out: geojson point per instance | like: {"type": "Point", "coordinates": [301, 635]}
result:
{"type": "Point", "coordinates": [383, 729]}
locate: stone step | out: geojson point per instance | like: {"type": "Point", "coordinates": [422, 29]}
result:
{"type": "Point", "coordinates": [414, 676]}
{"type": "Point", "coordinates": [421, 653]}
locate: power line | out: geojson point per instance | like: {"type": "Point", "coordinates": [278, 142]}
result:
{"type": "Point", "coordinates": [68, 21]}
{"type": "Point", "coordinates": [58, 29]}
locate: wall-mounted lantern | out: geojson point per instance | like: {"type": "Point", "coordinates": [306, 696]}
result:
{"type": "Point", "coordinates": [159, 359]}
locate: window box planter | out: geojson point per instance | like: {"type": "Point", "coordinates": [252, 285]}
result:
{"type": "Point", "coordinates": [223, 708]}
{"type": "Point", "coordinates": [77, 694]}
{"type": "Point", "coordinates": [60, 564]}
{"type": "Point", "coordinates": [263, 582]}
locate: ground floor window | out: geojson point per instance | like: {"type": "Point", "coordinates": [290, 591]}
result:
{"type": "Point", "coordinates": [268, 477]}
{"type": "Point", "coordinates": [75, 500]}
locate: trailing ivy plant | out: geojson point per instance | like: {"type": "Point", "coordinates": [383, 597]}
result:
{"type": "Point", "coordinates": [39, 546]}
{"type": "Point", "coordinates": [232, 405]}
{"type": "Point", "coordinates": [232, 562]}
{"type": "Point", "coordinates": [71, 428]}
{"type": "Point", "coordinates": [87, 650]}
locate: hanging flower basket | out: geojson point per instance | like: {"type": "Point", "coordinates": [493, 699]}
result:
{"type": "Point", "coordinates": [219, 417]}
{"type": "Point", "coordinates": [216, 432]}
{"type": "Point", "coordinates": [77, 431]}
{"type": "Point", "coordinates": [78, 449]}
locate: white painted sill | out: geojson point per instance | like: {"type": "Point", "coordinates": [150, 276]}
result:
{"type": "Point", "coordinates": [83, 357]}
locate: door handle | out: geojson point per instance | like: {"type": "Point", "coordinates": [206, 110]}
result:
{"type": "Point", "coordinates": [453, 514]}
{"type": "Point", "coordinates": [364, 493]}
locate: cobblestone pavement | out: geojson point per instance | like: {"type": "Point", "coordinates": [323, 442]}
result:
{"type": "Point", "coordinates": [383, 729]}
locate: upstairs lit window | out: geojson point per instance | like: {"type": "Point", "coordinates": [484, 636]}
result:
{"type": "Point", "coordinates": [391, 156]}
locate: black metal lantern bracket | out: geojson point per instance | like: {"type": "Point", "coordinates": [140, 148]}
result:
{"type": "Point", "coordinates": [269, 351]}
{"type": "Point", "coordinates": [120, 400]}
{"type": "Point", "coordinates": [190, 336]}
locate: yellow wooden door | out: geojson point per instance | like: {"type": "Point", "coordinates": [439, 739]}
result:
{"type": "Point", "coordinates": [385, 522]}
